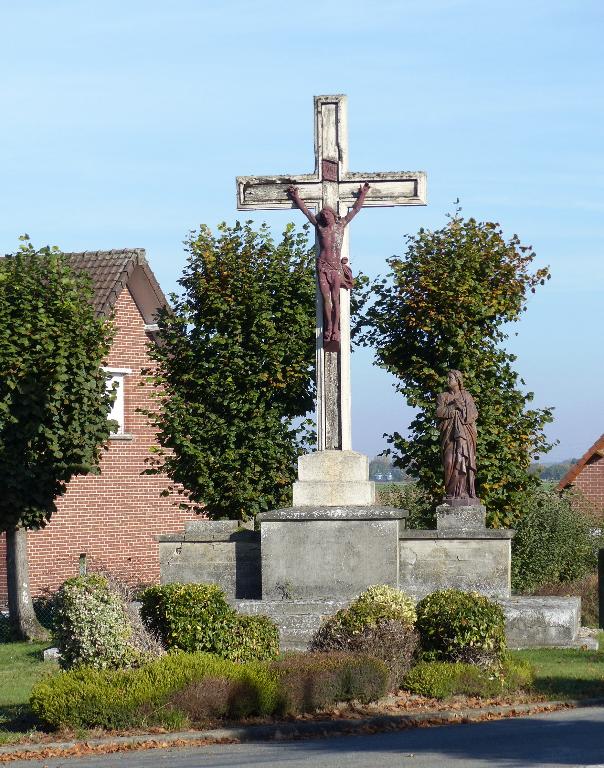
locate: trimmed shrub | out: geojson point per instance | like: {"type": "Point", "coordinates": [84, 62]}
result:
{"type": "Point", "coordinates": [310, 681]}
{"type": "Point", "coordinates": [128, 698]}
{"type": "Point", "coordinates": [379, 622]}
{"type": "Point", "coordinates": [197, 617]}
{"type": "Point", "coordinates": [554, 541]}
{"type": "Point", "coordinates": [214, 698]}
{"type": "Point", "coordinates": [375, 604]}
{"type": "Point", "coordinates": [188, 617]}
{"type": "Point", "coordinates": [181, 687]}
{"type": "Point", "coordinates": [92, 626]}
{"type": "Point", "coordinates": [461, 626]}
{"type": "Point", "coordinates": [250, 638]}
{"type": "Point", "coordinates": [442, 679]}
{"type": "Point", "coordinates": [394, 643]}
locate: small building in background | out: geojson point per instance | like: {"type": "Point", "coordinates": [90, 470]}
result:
{"type": "Point", "coordinates": [110, 520]}
{"type": "Point", "coordinates": [587, 476]}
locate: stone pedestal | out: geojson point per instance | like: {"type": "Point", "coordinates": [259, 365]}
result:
{"type": "Point", "coordinates": [328, 553]}
{"type": "Point", "coordinates": [332, 479]}
{"type": "Point", "coordinates": [461, 517]}
{"type": "Point", "coordinates": [462, 553]}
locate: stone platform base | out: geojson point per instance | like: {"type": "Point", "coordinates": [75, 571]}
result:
{"type": "Point", "coordinates": [328, 553]}
{"type": "Point", "coordinates": [531, 622]}
{"type": "Point", "coordinates": [541, 622]}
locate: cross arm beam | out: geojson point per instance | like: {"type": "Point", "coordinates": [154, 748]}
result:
{"type": "Point", "coordinates": [270, 192]}
{"type": "Point", "coordinates": [385, 189]}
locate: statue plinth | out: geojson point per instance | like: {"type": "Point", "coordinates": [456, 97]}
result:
{"type": "Point", "coordinates": [463, 516]}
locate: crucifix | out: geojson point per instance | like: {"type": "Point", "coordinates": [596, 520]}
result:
{"type": "Point", "coordinates": [332, 187]}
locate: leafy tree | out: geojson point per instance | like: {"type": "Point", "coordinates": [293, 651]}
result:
{"type": "Point", "coordinates": [446, 306]}
{"type": "Point", "coordinates": [234, 370]}
{"type": "Point", "coordinates": [53, 400]}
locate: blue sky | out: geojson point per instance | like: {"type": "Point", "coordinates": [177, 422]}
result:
{"type": "Point", "coordinates": [124, 124]}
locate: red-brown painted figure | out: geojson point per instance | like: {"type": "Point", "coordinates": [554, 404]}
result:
{"type": "Point", "coordinates": [332, 273]}
{"type": "Point", "coordinates": [456, 413]}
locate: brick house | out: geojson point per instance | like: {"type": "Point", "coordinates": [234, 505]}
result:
{"type": "Point", "coordinates": [112, 518]}
{"type": "Point", "coordinates": [587, 475]}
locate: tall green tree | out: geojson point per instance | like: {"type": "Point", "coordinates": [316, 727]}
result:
{"type": "Point", "coordinates": [54, 404]}
{"type": "Point", "coordinates": [234, 369]}
{"type": "Point", "coordinates": [447, 305]}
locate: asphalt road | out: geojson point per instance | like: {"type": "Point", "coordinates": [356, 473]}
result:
{"type": "Point", "coordinates": [567, 739]}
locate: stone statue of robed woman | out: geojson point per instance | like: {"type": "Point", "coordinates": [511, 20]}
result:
{"type": "Point", "coordinates": [456, 413]}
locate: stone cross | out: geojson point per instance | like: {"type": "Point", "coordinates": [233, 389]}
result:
{"type": "Point", "coordinates": [332, 184]}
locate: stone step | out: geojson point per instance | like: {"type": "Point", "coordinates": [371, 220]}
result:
{"type": "Point", "coordinates": [531, 622]}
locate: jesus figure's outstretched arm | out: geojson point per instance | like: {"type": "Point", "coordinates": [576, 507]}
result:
{"type": "Point", "coordinates": [363, 189]}
{"type": "Point", "coordinates": [295, 196]}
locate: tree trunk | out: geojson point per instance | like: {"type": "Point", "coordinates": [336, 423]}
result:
{"type": "Point", "coordinates": [20, 607]}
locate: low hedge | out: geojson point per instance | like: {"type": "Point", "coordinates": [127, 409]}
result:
{"type": "Point", "coordinates": [310, 681]}
{"type": "Point", "coordinates": [441, 679]}
{"type": "Point", "coordinates": [180, 688]}
{"type": "Point", "coordinates": [197, 617]}
{"type": "Point", "coordinates": [129, 698]}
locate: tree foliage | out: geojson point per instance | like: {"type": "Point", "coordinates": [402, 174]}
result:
{"type": "Point", "coordinates": [234, 370]}
{"type": "Point", "coordinates": [53, 401]}
{"type": "Point", "coordinates": [555, 542]}
{"type": "Point", "coordinates": [445, 306]}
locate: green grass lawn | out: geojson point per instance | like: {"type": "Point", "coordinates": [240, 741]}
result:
{"type": "Point", "coordinates": [567, 673]}
{"type": "Point", "coordinates": [21, 666]}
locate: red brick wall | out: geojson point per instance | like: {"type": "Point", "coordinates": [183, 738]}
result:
{"type": "Point", "coordinates": [112, 517]}
{"type": "Point", "coordinates": [590, 481]}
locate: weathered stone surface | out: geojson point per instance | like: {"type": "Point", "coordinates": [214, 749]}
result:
{"type": "Point", "coordinates": [431, 560]}
{"type": "Point", "coordinates": [297, 620]}
{"type": "Point", "coordinates": [460, 518]}
{"type": "Point", "coordinates": [339, 513]}
{"type": "Point", "coordinates": [51, 654]}
{"type": "Point", "coordinates": [316, 559]}
{"type": "Point", "coordinates": [233, 562]}
{"type": "Point", "coordinates": [333, 466]}
{"type": "Point", "coordinates": [534, 622]}
{"type": "Point", "coordinates": [333, 478]}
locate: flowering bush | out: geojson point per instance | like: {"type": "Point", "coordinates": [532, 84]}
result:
{"type": "Point", "coordinates": [92, 626]}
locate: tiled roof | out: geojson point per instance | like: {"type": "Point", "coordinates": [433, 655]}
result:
{"type": "Point", "coordinates": [597, 449]}
{"type": "Point", "coordinates": [109, 272]}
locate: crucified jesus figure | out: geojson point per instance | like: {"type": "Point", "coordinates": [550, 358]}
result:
{"type": "Point", "coordinates": [331, 273]}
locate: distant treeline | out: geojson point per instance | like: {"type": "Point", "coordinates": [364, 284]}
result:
{"type": "Point", "coordinates": [552, 472]}
{"type": "Point", "coordinates": [381, 469]}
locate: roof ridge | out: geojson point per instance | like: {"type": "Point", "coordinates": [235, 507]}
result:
{"type": "Point", "coordinates": [576, 468]}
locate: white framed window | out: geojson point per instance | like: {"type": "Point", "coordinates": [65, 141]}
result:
{"type": "Point", "coordinates": [117, 376]}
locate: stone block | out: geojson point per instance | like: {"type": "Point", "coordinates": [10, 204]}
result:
{"type": "Point", "coordinates": [432, 560]}
{"type": "Point", "coordinates": [297, 620]}
{"type": "Point", "coordinates": [539, 622]}
{"type": "Point", "coordinates": [212, 557]}
{"type": "Point", "coordinates": [51, 654]}
{"type": "Point", "coordinates": [327, 554]}
{"type": "Point", "coordinates": [460, 518]}
{"type": "Point", "coordinates": [333, 478]}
